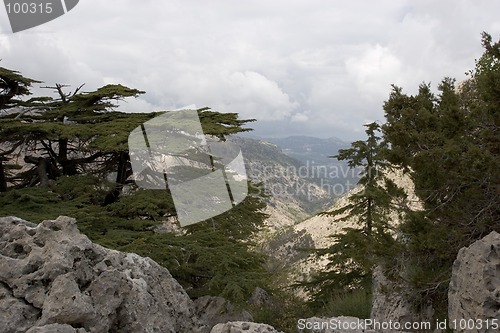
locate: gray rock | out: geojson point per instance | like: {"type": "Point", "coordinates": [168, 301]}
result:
{"type": "Point", "coordinates": [390, 302]}
{"type": "Point", "coordinates": [260, 298]}
{"type": "Point", "coordinates": [213, 310]}
{"type": "Point", "coordinates": [15, 314]}
{"type": "Point", "coordinates": [52, 274]}
{"type": "Point", "coordinates": [243, 327]}
{"type": "Point", "coordinates": [474, 291]}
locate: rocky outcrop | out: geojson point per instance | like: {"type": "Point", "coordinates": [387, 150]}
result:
{"type": "Point", "coordinates": [243, 327]}
{"type": "Point", "coordinates": [261, 299]}
{"type": "Point", "coordinates": [16, 315]}
{"type": "Point", "coordinates": [474, 292]}
{"type": "Point", "coordinates": [391, 302]}
{"type": "Point", "coordinates": [213, 310]}
{"type": "Point", "coordinates": [54, 279]}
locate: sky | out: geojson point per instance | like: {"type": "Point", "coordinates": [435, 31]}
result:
{"type": "Point", "coordinates": [300, 67]}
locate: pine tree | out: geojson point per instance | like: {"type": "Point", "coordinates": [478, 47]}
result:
{"type": "Point", "coordinates": [449, 145]}
{"type": "Point", "coordinates": [13, 86]}
{"type": "Point", "coordinates": [356, 251]}
{"type": "Point", "coordinates": [58, 147]}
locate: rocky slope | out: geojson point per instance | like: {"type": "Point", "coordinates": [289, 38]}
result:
{"type": "Point", "coordinates": [292, 195]}
{"type": "Point", "coordinates": [314, 232]}
{"type": "Point", "coordinates": [330, 174]}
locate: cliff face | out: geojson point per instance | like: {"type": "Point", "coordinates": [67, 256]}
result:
{"type": "Point", "coordinates": [315, 231]}
{"type": "Point", "coordinates": [292, 195]}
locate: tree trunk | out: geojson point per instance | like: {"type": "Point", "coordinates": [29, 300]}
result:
{"type": "Point", "coordinates": [121, 178]}
{"type": "Point", "coordinates": [369, 217]}
{"type": "Point", "coordinates": [43, 172]}
{"type": "Point", "coordinates": [42, 168]}
{"type": "Point", "coordinates": [3, 179]}
{"type": "Point", "coordinates": [69, 168]}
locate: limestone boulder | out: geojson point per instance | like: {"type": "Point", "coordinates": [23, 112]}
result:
{"type": "Point", "coordinates": [213, 310]}
{"type": "Point", "coordinates": [243, 327]}
{"type": "Point", "coordinates": [16, 315]}
{"type": "Point", "coordinates": [54, 279]}
{"type": "Point", "coordinates": [391, 302]}
{"type": "Point", "coordinates": [474, 291]}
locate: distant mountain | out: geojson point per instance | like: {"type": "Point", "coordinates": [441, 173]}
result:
{"type": "Point", "coordinates": [330, 174]}
{"type": "Point", "coordinates": [264, 151]}
{"type": "Point", "coordinates": [310, 149]}
{"type": "Point", "coordinates": [297, 174]}
{"type": "Point", "coordinates": [291, 198]}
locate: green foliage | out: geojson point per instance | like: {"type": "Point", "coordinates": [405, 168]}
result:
{"type": "Point", "coordinates": [143, 204]}
{"type": "Point", "coordinates": [210, 258]}
{"type": "Point", "coordinates": [99, 100]}
{"type": "Point", "coordinates": [221, 124]}
{"type": "Point", "coordinates": [283, 312]}
{"type": "Point", "coordinates": [372, 204]}
{"type": "Point", "coordinates": [356, 303]}
{"type": "Point", "coordinates": [13, 84]}
{"type": "Point", "coordinates": [221, 259]}
{"type": "Point", "coordinates": [32, 202]}
{"type": "Point", "coordinates": [449, 144]}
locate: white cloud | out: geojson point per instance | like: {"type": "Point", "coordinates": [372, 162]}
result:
{"type": "Point", "coordinates": [4, 43]}
{"type": "Point", "coordinates": [254, 95]}
{"type": "Point", "coordinates": [374, 70]}
{"type": "Point", "coordinates": [299, 118]}
{"type": "Point", "coordinates": [269, 60]}
{"type": "Point", "coordinates": [134, 105]}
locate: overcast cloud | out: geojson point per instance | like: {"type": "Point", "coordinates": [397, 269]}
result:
{"type": "Point", "coordinates": [300, 67]}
